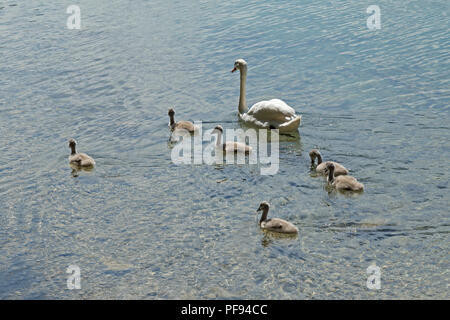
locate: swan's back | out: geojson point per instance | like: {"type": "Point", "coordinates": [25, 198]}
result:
{"type": "Point", "coordinates": [348, 183]}
{"type": "Point", "coordinates": [184, 125]}
{"type": "Point", "coordinates": [338, 168]}
{"type": "Point", "coordinates": [279, 225]}
{"type": "Point", "coordinates": [272, 110]}
{"type": "Point", "coordinates": [81, 159]}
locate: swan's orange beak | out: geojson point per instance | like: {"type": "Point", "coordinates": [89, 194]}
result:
{"type": "Point", "coordinates": [234, 69]}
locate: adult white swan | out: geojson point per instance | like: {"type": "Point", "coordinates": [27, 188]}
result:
{"type": "Point", "coordinates": [273, 114]}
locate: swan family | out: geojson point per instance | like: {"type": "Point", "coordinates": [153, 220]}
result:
{"type": "Point", "coordinates": [272, 114]}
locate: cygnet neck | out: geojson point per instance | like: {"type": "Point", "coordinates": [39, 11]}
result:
{"type": "Point", "coordinates": [330, 174]}
{"type": "Point", "coordinates": [172, 119]}
{"type": "Point", "coordinates": [72, 147]}
{"type": "Point", "coordinates": [319, 158]}
{"type": "Point", "coordinates": [264, 215]}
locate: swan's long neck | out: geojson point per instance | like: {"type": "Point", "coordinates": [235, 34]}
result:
{"type": "Point", "coordinates": [73, 150]}
{"type": "Point", "coordinates": [219, 139]}
{"type": "Point", "coordinates": [242, 102]}
{"type": "Point", "coordinates": [264, 215]}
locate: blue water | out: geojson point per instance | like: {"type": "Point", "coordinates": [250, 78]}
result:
{"type": "Point", "coordinates": [139, 226]}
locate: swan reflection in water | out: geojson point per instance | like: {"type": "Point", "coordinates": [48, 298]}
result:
{"type": "Point", "coordinates": [270, 236]}
{"type": "Point", "coordinates": [77, 168]}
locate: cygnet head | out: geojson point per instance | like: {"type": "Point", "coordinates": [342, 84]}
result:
{"type": "Point", "coordinates": [218, 129]}
{"type": "Point", "coordinates": [171, 112]}
{"type": "Point", "coordinates": [72, 143]}
{"type": "Point", "coordinates": [264, 206]}
{"type": "Point", "coordinates": [239, 64]}
{"type": "Point", "coordinates": [313, 154]}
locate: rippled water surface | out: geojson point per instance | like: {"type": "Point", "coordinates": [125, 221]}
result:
{"type": "Point", "coordinates": [139, 226]}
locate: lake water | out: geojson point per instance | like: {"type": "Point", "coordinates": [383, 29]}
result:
{"type": "Point", "coordinates": [138, 226]}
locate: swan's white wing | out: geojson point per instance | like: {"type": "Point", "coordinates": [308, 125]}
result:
{"type": "Point", "coordinates": [274, 110]}
{"type": "Point", "coordinates": [288, 126]}
{"type": "Point", "coordinates": [272, 114]}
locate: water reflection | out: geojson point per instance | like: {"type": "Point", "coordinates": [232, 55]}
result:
{"type": "Point", "coordinates": [271, 236]}
{"type": "Point", "coordinates": [76, 169]}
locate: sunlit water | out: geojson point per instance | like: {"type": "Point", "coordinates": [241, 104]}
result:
{"type": "Point", "coordinates": [139, 226]}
